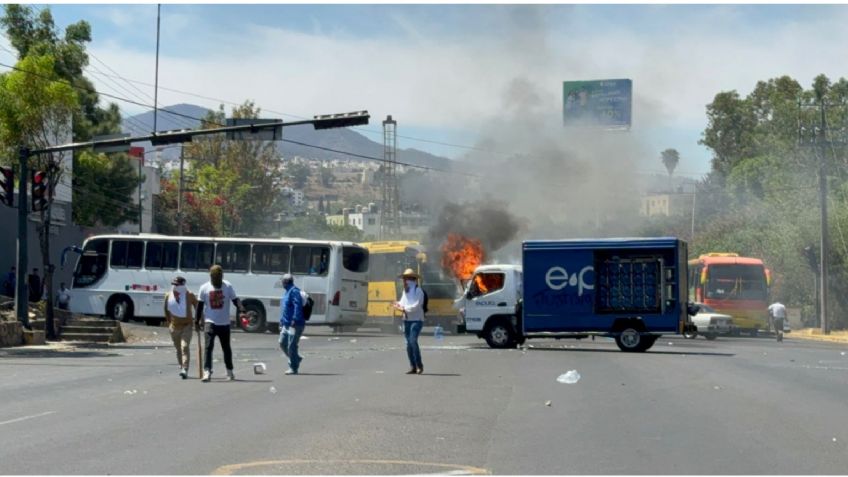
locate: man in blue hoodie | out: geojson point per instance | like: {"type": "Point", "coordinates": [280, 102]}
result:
{"type": "Point", "coordinates": [291, 323]}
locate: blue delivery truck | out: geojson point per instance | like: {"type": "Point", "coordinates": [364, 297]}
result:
{"type": "Point", "coordinates": [633, 290]}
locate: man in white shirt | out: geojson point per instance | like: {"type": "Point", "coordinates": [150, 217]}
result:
{"type": "Point", "coordinates": [778, 313]}
{"type": "Point", "coordinates": [63, 298]}
{"type": "Point", "coordinates": [411, 304]}
{"type": "Point", "coordinates": [213, 309]}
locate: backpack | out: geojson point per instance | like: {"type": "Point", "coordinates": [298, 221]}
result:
{"type": "Point", "coordinates": [308, 303]}
{"type": "Point", "coordinates": [426, 301]}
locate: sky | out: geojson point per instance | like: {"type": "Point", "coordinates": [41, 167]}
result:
{"type": "Point", "coordinates": [446, 71]}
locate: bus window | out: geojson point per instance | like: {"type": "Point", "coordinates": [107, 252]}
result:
{"type": "Point", "coordinates": [355, 259]}
{"type": "Point", "coordinates": [188, 256]}
{"type": "Point", "coordinates": [308, 260]}
{"type": "Point", "coordinates": [91, 265]}
{"type": "Point", "coordinates": [161, 255]}
{"type": "Point", "coordinates": [740, 282]}
{"type": "Point", "coordinates": [127, 254]}
{"type": "Point", "coordinates": [271, 259]}
{"type": "Point", "coordinates": [233, 257]}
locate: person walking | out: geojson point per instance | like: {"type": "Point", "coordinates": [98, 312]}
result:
{"type": "Point", "coordinates": [292, 323]}
{"type": "Point", "coordinates": [34, 285]}
{"type": "Point", "coordinates": [213, 310]}
{"type": "Point", "coordinates": [778, 313]}
{"type": "Point", "coordinates": [63, 297]}
{"type": "Point", "coordinates": [178, 314]}
{"type": "Point", "coordinates": [411, 304]}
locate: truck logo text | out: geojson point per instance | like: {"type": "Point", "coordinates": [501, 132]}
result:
{"type": "Point", "coordinates": [558, 278]}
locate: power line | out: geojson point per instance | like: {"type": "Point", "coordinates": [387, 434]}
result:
{"type": "Point", "coordinates": [92, 90]}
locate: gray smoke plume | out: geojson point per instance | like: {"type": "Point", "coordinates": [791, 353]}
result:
{"type": "Point", "coordinates": [557, 182]}
{"type": "Point", "coordinates": [489, 222]}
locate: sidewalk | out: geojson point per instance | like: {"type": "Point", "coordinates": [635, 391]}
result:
{"type": "Point", "coordinates": [815, 334]}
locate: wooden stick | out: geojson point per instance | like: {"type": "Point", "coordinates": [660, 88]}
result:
{"type": "Point", "coordinates": [199, 356]}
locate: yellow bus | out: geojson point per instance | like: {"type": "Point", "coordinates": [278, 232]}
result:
{"type": "Point", "coordinates": [386, 262]}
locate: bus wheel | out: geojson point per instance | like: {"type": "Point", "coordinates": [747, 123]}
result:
{"type": "Point", "coordinates": [754, 333]}
{"type": "Point", "coordinates": [120, 308]}
{"type": "Point", "coordinates": [255, 318]}
{"type": "Point", "coordinates": [152, 321]}
{"type": "Point", "coordinates": [630, 340]}
{"type": "Point", "coordinates": [710, 336]}
{"type": "Point", "coordinates": [499, 334]}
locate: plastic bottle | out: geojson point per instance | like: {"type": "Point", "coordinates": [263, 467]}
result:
{"type": "Point", "coordinates": [438, 333]}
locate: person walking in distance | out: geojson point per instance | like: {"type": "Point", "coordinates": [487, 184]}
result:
{"type": "Point", "coordinates": [213, 310]}
{"type": "Point", "coordinates": [178, 314]}
{"type": "Point", "coordinates": [411, 304]}
{"type": "Point", "coordinates": [292, 323]}
{"type": "Point", "coordinates": [778, 313]}
{"type": "Point", "coordinates": [63, 297]}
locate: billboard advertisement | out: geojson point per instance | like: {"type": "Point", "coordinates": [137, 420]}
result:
{"type": "Point", "coordinates": [597, 103]}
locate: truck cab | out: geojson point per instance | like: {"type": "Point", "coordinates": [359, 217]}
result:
{"type": "Point", "coordinates": [493, 294]}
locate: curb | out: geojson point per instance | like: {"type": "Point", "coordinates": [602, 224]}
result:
{"type": "Point", "coordinates": [813, 334]}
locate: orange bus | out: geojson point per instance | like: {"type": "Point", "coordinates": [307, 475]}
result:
{"type": "Point", "coordinates": [733, 285]}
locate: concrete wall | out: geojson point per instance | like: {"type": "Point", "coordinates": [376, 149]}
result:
{"type": "Point", "coordinates": [63, 235]}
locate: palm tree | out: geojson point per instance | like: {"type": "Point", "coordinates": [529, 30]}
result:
{"type": "Point", "coordinates": [670, 159]}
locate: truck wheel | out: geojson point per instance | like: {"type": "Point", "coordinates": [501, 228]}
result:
{"type": "Point", "coordinates": [649, 341]}
{"type": "Point", "coordinates": [710, 336]}
{"type": "Point", "coordinates": [500, 335]}
{"type": "Point", "coordinates": [630, 340]}
{"type": "Point", "coordinates": [255, 318]}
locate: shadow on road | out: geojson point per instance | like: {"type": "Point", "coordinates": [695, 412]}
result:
{"type": "Point", "coordinates": [52, 353]}
{"type": "Point", "coordinates": [673, 353]}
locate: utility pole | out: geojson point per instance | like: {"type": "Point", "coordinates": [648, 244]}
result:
{"type": "Point", "coordinates": [21, 298]}
{"type": "Point", "coordinates": [825, 326]}
{"type": "Point", "coordinates": [694, 198]}
{"type": "Point", "coordinates": [180, 196]}
{"type": "Point", "coordinates": [817, 135]}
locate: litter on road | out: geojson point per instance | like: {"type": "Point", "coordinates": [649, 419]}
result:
{"type": "Point", "coordinates": [570, 377]}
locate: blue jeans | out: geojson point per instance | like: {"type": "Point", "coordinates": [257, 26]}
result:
{"type": "Point", "coordinates": [289, 340]}
{"type": "Point", "coordinates": [411, 330]}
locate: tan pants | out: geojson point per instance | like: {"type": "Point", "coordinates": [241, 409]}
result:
{"type": "Point", "coordinates": [181, 335]}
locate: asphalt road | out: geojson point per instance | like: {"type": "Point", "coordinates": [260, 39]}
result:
{"type": "Point", "coordinates": [732, 406]}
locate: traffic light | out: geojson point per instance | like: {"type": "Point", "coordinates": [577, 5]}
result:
{"type": "Point", "coordinates": [39, 191]}
{"type": "Point", "coordinates": [7, 178]}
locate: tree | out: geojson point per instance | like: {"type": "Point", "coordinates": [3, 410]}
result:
{"type": "Point", "coordinates": [299, 173]}
{"type": "Point", "coordinates": [201, 217]}
{"type": "Point", "coordinates": [761, 196]}
{"type": "Point", "coordinates": [102, 183]}
{"type": "Point", "coordinates": [36, 111]}
{"type": "Point", "coordinates": [670, 159]}
{"type": "Point", "coordinates": [241, 176]}
{"type": "Point", "coordinates": [37, 35]}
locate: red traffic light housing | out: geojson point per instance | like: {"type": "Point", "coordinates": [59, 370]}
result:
{"type": "Point", "coordinates": [39, 191]}
{"type": "Point", "coordinates": [7, 184]}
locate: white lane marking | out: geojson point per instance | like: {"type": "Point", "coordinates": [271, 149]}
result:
{"type": "Point", "coordinates": [28, 417]}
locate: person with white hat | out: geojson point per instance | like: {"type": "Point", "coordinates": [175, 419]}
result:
{"type": "Point", "coordinates": [178, 314]}
{"type": "Point", "coordinates": [411, 304]}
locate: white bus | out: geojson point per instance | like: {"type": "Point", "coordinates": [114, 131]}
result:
{"type": "Point", "coordinates": [126, 276]}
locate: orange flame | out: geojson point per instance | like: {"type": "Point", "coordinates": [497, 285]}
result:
{"type": "Point", "coordinates": [481, 285]}
{"type": "Point", "coordinates": [461, 255]}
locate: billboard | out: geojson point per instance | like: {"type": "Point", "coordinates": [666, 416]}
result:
{"type": "Point", "coordinates": [598, 103]}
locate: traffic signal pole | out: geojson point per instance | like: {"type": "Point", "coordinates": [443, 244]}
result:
{"type": "Point", "coordinates": [21, 298]}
